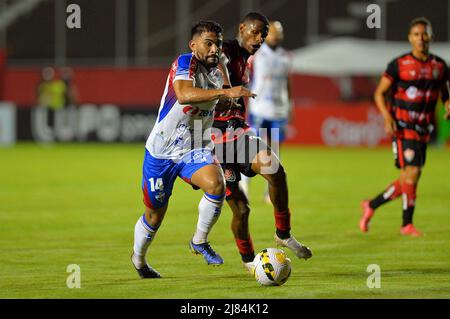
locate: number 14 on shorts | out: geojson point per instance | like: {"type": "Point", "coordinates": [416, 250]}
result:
{"type": "Point", "coordinates": [156, 185]}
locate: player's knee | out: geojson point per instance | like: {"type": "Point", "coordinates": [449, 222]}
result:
{"type": "Point", "coordinates": [412, 174]}
{"type": "Point", "coordinates": [215, 187]}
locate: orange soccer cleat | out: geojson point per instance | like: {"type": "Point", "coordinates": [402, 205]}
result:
{"type": "Point", "coordinates": [410, 230]}
{"type": "Point", "coordinates": [367, 215]}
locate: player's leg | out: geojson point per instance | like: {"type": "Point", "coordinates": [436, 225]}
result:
{"type": "Point", "coordinates": [393, 191]}
{"type": "Point", "coordinates": [245, 185]}
{"type": "Point", "coordinates": [409, 187]}
{"type": "Point", "coordinates": [239, 205]}
{"type": "Point", "coordinates": [275, 136]}
{"type": "Point", "coordinates": [208, 177]}
{"type": "Point", "coordinates": [415, 157]}
{"type": "Point", "coordinates": [259, 124]}
{"type": "Point", "coordinates": [267, 164]}
{"type": "Point", "coordinates": [144, 233]}
{"type": "Point", "coordinates": [157, 181]}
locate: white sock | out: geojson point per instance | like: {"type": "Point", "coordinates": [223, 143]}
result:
{"type": "Point", "coordinates": [143, 236]}
{"type": "Point", "coordinates": [208, 212]}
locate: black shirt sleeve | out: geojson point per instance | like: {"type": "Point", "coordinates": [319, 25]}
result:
{"type": "Point", "coordinates": [392, 71]}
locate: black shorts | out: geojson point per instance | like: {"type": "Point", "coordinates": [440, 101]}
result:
{"type": "Point", "coordinates": [409, 152]}
{"type": "Point", "coordinates": [236, 157]}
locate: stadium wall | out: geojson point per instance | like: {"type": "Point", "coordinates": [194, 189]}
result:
{"type": "Point", "coordinates": [120, 105]}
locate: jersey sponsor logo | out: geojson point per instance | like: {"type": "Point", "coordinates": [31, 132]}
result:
{"type": "Point", "coordinates": [195, 111]}
{"type": "Point", "coordinates": [409, 155]}
{"type": "Point", "coordinates": [411, 92]}
{"type": "Point", "coordinates": [416, 116]}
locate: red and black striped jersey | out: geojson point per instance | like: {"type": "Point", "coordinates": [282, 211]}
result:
{"type": "Point", "coordinates": [236, 60]}
{"type": "Point", "coordinates": [416, 87]}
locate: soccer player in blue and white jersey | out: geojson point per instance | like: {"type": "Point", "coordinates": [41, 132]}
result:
{"type": "Point", "coordinates": [179, 145]}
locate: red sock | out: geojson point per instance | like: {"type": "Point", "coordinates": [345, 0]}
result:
{"type": "Point", "coordinates": [283, 220]}
{"type": "Point", "coordinates": [394, 190]}
{"type": "Point", "coordinates": [409, 190]}
{"type": "Point", "coordinates": [409, 202]}
{"type": "Point", "coordinates": [245, 246]}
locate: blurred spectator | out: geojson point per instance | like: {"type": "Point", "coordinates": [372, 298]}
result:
{"type": "Point", "coordinates": [71, 93]}
{"type": "Point", "coordinates": [51, 92]}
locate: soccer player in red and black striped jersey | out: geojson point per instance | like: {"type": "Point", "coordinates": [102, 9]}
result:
{"type": "Point", "coordinates": [416, 81]}
{"type": "Point", "coordinates": [249, 154]}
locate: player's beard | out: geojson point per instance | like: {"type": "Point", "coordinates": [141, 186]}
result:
{"type": "Point", "coordinates": [212, 61]}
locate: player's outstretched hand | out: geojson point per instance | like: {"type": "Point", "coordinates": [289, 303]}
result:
{"type": "Point", "coordinates": [447, 113]}
{"type": "Point", "coordinates": [390, 126]}
{"type": "Point", "coordinates": [239, 91]}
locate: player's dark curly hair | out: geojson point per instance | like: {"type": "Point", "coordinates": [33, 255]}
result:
{"type": "Point", "coordinates": [256, 16]}
{"type": "Point", "coordinates": [420, 20]}
{"type": "Point", "coordinates": [206, 26]}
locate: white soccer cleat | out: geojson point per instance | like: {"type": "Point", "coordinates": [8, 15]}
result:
{"type": "Point", "coordinates": [297, 248]}
{"type": "Point", "coordinates": [250, 267]}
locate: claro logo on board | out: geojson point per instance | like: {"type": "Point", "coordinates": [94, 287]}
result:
{"type": "Point", "coordinates": [339, 131]}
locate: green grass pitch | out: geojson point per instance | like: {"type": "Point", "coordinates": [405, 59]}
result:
{"type": "Point", "coordinates": [77, 204]}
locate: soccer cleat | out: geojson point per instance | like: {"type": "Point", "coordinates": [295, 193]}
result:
{"type": "Point", "coordinates": [250, 267]}
{"type": "Point", "coordinates": [366, 216]}
{"type": "Point", "coordinates": [145, 271]}
{"type": "Point", "coordinates": [410, 230]}
{"type": "Point", "coordinates": [211, 257]}
{"type": "Point", "coordinates": [298, 249]}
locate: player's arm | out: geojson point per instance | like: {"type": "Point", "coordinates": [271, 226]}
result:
{"type": "Point", "coordinates": [445, 99]}
{"type": "Point", "coordinates": [224, 103]}
{"type": "Point", "coordinates": [188, 94]}
{"type": "Point", "coordinates": [380, 100]}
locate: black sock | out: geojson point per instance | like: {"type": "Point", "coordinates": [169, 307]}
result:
{"type": "Point", "coordinates": [247, 257]}
{"type": "Point", "coordinates": [408, 215]}
{"type": "Point", "coordinates": [378, 201]}
{"type": "Point", "coordinates": [283, 234]}
{"type": "Point", "coordinates": [390, 193]}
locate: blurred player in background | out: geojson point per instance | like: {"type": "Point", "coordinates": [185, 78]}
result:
{"type": "Point", "coordinates": [270, 80]}
{"type": "Point", "coordinates": [176, 148]}
{"type": "Point", "coordinates": [238, 139]}
{"type": "Point", "coordinates": [71, 94]}
{"type": "Point", "coordinates": [51, 91]}
{"type": "Point", "coordinates": [415, 80]}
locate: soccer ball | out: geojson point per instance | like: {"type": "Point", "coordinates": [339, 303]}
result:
{"type": "Point", "coordinates": [272, 267]}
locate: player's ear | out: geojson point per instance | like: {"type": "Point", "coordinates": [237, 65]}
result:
{"type": "Point", "coordinates": [192, 45]}
{"type": "Point", "coordinates": [241, 27]}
